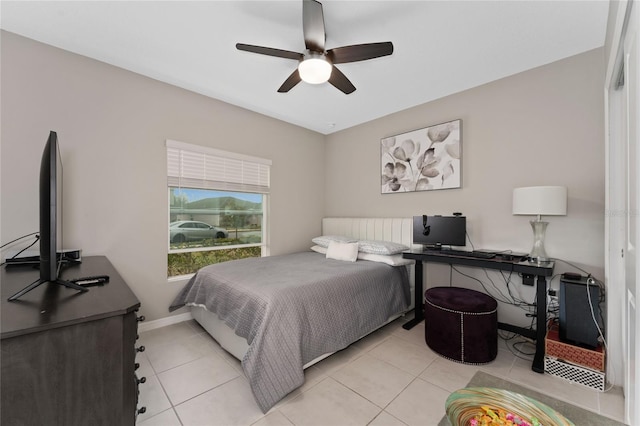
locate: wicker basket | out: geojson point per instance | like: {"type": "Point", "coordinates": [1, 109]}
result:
{"type": "Point", "coordinates": [465, 404]}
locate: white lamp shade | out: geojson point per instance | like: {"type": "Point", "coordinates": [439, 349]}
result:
{"type": "Point", "coordinates": [314, 70]}
{"type": "Point", "coordinates": [540, 200]}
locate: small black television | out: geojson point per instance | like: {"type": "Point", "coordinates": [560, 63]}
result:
{"type": "Point", "coordinates": [50, 219]}
{"type": "Point", "coordinates": [436, 231]}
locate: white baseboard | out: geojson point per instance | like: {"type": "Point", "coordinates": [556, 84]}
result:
{"type": "Point", "coordinates": [163, 322]}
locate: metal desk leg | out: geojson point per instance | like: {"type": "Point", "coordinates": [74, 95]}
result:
{"type": "Point", "coordinates": [417, 297]}
{"type": "Point", "coordinates": [541, 323]}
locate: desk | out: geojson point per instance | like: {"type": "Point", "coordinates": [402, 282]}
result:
{"type": "Point", "coordinates": [541, 271]}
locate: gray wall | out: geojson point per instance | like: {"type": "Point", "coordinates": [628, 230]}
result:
{"type": "Point", "coordinates": [112, 126]}
{"type": "Point", "coordinates": [540, 127]}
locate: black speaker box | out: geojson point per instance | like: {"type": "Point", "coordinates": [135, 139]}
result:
{"type": "Point", "coordinates": [576, 322]}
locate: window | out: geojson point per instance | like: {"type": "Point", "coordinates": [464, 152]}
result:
{"type": "Point", "coordinates": [217, 206]}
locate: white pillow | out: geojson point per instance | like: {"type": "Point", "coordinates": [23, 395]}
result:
{"type": "Point", "coordinates": [393, 259]}
{"type": "Point", "coordinates": [381, 247]}
{"type": "Point", "coordinates": [342, 251]}
{"type": "Point", "coordinates": [324, 240]}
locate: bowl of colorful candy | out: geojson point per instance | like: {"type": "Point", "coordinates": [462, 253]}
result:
{"type": "Point", "coordinates": [491, 406]}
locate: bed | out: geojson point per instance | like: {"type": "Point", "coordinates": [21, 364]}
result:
{"type": "Point", "coordinates": [280, 314]}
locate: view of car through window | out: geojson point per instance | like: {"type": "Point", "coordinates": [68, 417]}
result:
{"type": "Point", "coordinates": [209, 226]}
{"type": "Point", "coordinates": [189, 230]}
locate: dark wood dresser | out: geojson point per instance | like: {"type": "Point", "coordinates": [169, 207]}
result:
{"type": "Point", "coordinates": [68, 357]}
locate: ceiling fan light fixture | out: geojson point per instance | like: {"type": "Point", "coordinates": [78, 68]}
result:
{"type": "Point", "coordinates": [315, 69]}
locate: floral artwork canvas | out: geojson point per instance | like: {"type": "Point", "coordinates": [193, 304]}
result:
{"type": "Point", "coordinates": [422, 160]}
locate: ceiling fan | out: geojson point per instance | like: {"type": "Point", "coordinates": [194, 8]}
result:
{"type": "Point", "coordinates": [317, 65]}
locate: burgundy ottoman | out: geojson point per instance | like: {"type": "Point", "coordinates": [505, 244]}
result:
{"type": "Point", "coordinates": [461, 324]}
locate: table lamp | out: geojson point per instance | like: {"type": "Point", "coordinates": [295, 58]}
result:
{"type": "Point", "coordinates": [539, 201]}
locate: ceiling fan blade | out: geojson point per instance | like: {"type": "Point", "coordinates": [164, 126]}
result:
{"type": "Point", "coordinates": [290, 82]}
{"type": "Point", "coordinates": [359, 52]}
{"type": "Point", "coordinates": [313, 25]}
{"type": "Point", "coordinates": [269, 51]}
{"type": "Point", "coordinates": [341, 82]}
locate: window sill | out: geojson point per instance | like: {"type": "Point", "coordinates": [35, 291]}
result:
{"type": "Point", "coordinates": [178, 278]}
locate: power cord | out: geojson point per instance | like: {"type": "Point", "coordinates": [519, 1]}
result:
{"type": "Point", "coordinates": [18, 239]}
{"type": "Point", "coordinates": [37, 238]}
{"type": "Point", "coordinates": [529, 308]}
{"type": "Point", "coordinates": [470, 242]}
{"type": "Point", "coordinates": [514, 346]}
{"type": "Point", "coordinates": [510, 299]}
{"type": "Point", "coordinates": [591, 281]}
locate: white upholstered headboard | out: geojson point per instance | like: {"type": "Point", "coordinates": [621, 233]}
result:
{"type": "Point", "coordinates": [395, 229]}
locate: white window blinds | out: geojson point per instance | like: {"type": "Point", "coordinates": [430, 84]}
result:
{"type": "Point", "coordinates": [193, 166]}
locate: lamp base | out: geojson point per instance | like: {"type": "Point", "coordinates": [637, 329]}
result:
{"type": "Point", "coordinates": [538, 253]}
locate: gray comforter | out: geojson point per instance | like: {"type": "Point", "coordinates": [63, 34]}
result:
{"type": "Point", "coordinates": [294, 308]}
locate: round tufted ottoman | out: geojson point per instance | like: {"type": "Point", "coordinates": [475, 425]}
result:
{"type": "Point", "coordinates": [461, 324]}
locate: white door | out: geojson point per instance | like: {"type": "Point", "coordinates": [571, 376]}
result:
{"type": "Point", "coordinates": [623, 206]}
{"type": "Point", "coordinates": [621, 245]}
{"type": "Point", "coordinates": [630, 135]}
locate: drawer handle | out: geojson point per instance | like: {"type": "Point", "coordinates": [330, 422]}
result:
{"type": "Point", "coordinates": [140, 349]}
{"type": "Point", "coordinates": [142, 410]}
{"type": "Point", "coordinates": [141, 380]}
{"type": "Point", "coordinates": [140, 318]}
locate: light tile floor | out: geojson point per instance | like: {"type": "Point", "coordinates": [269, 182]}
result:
{"type": "Point", "coordinates": [388, 378]}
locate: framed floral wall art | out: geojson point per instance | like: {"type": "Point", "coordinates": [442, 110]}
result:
{"type": "Point", "coordinates": [423, 160]}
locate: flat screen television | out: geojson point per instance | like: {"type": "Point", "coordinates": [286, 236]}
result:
{"type": "Point", "coordinates": [50, 219]}
{"type": "Point", "coordinates": [437, 231]}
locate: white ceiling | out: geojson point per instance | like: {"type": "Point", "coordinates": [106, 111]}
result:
{"type": "Point", "coordinates": [440, 47]}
